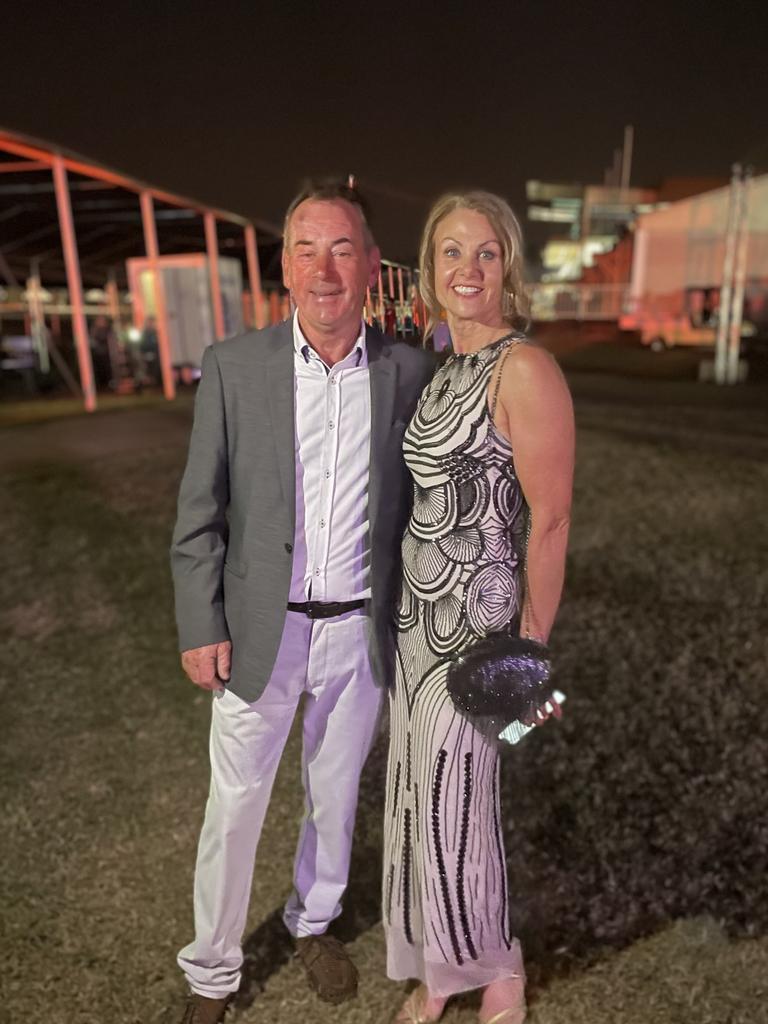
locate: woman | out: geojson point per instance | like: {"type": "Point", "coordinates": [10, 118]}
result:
{"type": "Point", "coordinates": [491, 444]}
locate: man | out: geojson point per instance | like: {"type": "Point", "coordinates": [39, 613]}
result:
{"type": "Point", "coordinates": [286, 560]}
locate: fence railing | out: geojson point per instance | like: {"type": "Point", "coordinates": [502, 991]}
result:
{"type": "Point", "coordinates": [576, 301]}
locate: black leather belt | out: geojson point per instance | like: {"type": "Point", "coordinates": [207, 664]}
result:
{"type": "Point", "coordinates": [324, 609]}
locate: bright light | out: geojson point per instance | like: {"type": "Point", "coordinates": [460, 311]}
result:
{"type": "Point", "coordinates": [553, 216]}
{"type": "Point", "coordinates": [39, 293]}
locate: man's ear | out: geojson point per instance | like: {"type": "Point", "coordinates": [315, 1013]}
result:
{"type": "Point", "coordinates": [286, 268]}
{"type": "Point", "coordinates": [374, 261]}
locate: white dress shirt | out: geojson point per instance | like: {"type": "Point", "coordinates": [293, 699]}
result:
{"type": "Point", "coordinates": [331, 551]}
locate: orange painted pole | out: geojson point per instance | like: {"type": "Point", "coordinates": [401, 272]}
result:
{"type": "Point", "coordinates": [22, 149]}
{"type": "Point", "coordinates": [161, 310]}
{"type": "Point", "coordinates": [212, 247]}
{"type": "Point", "coordinates": [274, 308]}
{"type": "Point", "coordinates": [254, 274]}
{"type": "Point", "coordinates": [74, 283]}
{"type": "Point", "coordinates": [400, 285]}
{"type": "Point", "coordinates": [390, 283]}
{"type": "Point", "coordinates": [369, 305]}
{"type": "Point", "coordinates": [13, 167]}
{"type": "Point", "coordinates": [11, 145]}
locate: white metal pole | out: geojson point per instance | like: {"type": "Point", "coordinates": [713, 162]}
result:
{"type": "Point", "coordinates": [739, 280]}
{"type": "Point", "coordinates": [616, 169]}
{"type": "Point", "coordinates": [726, 288]}
{"type": "Point", "coordinates": [626, 156]}
{"type": "Point", "coordinates": [37, 316]}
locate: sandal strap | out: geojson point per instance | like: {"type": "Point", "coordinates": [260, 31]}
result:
{"type": "Point", "coordinates": [412, 1010]}
{"type": "Point", "coordinates": [502, 1017]}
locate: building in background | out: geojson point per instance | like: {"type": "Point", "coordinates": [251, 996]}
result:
{"type": "Point", "coordinates": [582, 221]}
{"type": "Point", "coordinates": [577, 224]}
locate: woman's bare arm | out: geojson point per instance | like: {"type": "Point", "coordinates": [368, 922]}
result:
{"type": "Point", "coordinates": [535, 413]}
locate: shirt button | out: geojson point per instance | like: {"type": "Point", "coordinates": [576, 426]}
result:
{"type": "Point", "coordinates": [327, 473]}
{"type": "Point", "coordinates": [330, 425]}
{"type": "Point", "coordinates": [333, 380]}
{"type": "Point", "coordinates": [289, 548]}
{"type": "Point", "coordinates": [322, 523]}
{"type": "Point", "coordinates": [317, 572]}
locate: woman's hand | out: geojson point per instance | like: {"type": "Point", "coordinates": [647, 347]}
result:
{"type": "Point", "coordinates": [551, 709]}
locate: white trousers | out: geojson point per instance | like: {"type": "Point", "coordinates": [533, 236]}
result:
{"type": "Point", "coordinates": [328, 660]}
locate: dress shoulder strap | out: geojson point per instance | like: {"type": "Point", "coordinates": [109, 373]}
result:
{"type": "Point", "coordinates": [498, 371]}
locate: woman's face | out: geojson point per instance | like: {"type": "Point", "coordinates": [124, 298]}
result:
{"type": "Point", "coordinates": [469, 271]}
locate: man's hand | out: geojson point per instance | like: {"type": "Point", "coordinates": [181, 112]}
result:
{"type": "Point", "coordinates": [208, 666]}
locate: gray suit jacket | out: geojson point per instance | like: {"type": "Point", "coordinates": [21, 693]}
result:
{"type": "Point", "coordinates": [231, 553]}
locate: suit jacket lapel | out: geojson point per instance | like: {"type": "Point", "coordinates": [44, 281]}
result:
{"type": "Point", "coordinates": [383, 383]}
{"type": "Point", "coordinates": [280, 376]}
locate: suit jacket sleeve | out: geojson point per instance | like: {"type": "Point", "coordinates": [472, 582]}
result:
{"type": "Point", "coordinates": [200, 536]}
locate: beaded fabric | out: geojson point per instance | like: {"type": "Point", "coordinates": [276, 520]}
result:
{"type": "Point", "coordinates": [445, 887]}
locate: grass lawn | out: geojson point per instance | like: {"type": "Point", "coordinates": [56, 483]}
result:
{"type": "Point", "coordinates": [637, 829]}
{"type": "Point", "coordinates": [56, 407]}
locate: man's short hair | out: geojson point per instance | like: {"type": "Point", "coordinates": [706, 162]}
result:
{"type": "Point", "coordinates": [330, 190]}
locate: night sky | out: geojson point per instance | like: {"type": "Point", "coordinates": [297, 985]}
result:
{"type": "Point", "coordinates": [234, 102]}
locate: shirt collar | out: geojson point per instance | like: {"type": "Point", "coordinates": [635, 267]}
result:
{"type": "Point", "coordinates": [358, 356]}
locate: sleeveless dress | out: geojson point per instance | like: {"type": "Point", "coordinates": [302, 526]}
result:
{"type": "Point", "coordinates": [445, 906]}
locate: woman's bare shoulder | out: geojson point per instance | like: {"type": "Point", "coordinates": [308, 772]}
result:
{"type": "Point", "coordinates": [527, 364]}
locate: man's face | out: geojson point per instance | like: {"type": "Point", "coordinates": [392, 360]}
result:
{"type": "Point", "coordinates": [326, 265]}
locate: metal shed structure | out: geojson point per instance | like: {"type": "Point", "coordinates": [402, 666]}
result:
{"type": "Point", "coordinates": [78, 222]}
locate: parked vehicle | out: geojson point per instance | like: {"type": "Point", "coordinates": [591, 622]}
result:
{"type": "Point", "coordinates": [677, 271]}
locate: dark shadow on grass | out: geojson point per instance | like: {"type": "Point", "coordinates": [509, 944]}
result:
{"type": "Point", "coordinates": [265, 950]}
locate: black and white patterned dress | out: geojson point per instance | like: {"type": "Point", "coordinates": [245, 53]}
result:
{"type": "Point", "coordinates": [445, 887]}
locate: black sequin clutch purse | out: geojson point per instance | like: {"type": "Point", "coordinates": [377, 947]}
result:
{"type": "Point", "coordinates": [500, 679]}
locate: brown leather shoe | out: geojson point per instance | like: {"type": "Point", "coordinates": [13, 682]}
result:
{"type": "Point", "coordinates": [202, 1010]}
{"type": "Point", "coordinates": [331, 973]}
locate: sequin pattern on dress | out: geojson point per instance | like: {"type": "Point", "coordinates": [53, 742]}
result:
{"type": "Point", "coordinates": [445, 886]}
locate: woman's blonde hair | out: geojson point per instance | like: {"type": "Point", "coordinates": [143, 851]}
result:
{"type": "Point", "coordinates": [514, 304]}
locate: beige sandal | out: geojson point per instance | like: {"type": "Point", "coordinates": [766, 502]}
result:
{"type": "Point", "coordinates": [506, 1016]}
{"type": "Point", "coordinates": [414, 1009]}
{"type": "Point", "coordinates": [514, 1014]}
